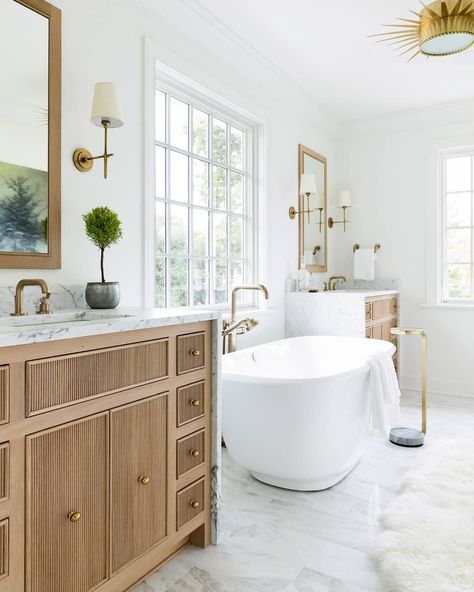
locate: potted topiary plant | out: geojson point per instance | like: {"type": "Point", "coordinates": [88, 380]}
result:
{"type": "Point", "coordinates": [104, 228]}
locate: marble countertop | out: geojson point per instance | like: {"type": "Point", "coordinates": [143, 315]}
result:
{"type": "Point", "coordinates": [82, 323]}
{"type": "Point", "coordinates": [362, 293]}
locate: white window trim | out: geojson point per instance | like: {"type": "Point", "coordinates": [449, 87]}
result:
{"type": "Point", "coordinates": [172, 81]}
{"type": "Point", "coordinates": [439, 149]}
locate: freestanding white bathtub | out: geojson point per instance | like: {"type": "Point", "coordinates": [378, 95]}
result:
{"type": "Point", "coordinates": [296, 412]}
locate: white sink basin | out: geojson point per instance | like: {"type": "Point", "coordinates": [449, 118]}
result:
{"type": "Point", "coordinates": [66, 318]}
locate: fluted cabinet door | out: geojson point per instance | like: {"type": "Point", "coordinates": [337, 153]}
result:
{"type": "Point", "coordinates": [138, 447]}
{"type": "Point", "coordinates": [67, 503]}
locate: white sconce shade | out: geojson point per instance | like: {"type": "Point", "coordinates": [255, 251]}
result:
{"type": "Point", "coordinates": [345, 199]}
{"type": "Point", "coordinates": [319, 201]}
{"type": "Point", "coordinates": [308, 184]}
{"type": "Point", "coordinates": [107, 105]}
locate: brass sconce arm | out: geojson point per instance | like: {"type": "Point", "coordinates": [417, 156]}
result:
{"type": "Point", "coordinates": [83, 159]}
{"type": "Point", "coordinates": [306, 210]}
{"type": "Point", "coordinates": [332, 222]}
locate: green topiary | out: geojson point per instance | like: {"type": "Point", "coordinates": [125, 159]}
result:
{"type": "Point", "coordinates": [104, 228]}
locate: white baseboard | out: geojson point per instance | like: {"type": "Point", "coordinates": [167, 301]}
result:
{"type": "Point", "coordinates": [445, 388]}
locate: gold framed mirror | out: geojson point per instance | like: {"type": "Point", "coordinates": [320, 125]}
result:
{"type": "Point", "coordinates": [312, 211]}
{"type": "Point", "coordinates": [30, 135]}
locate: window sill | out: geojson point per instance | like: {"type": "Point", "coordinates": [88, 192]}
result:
{"type": "Point", "coordinates": [449, 306]}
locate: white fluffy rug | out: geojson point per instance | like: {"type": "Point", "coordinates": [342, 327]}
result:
{"type": "Point", "coordinates": [428, 539]}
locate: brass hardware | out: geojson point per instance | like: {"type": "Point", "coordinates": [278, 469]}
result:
{"type": "Point", "coordinates": [194, 504]}
{"type": "Point", "coordinates": [44, 305]}
{"type": "Point", "coordinates": [377, 247]}
{"type": "Point", "coordinates": [195, 402]}
{"type": "Point", "coordinates": [316, 249]}
{"type": "Point", "coordinates": [293, 211]}
{"type": "Point", "coordinates": [332, 222]}
{"type": "Point", "coordinates": [19, 294]}
{"type": "Point", "coordinates": [437, 19]}
{"type": "Point", "coordinates": [144, 480]}
{"type": "Point", "coordinates": [229, 332]}
{"type": "Point", "coordinates": [333, 279]}
{"type": "Point", "coordinates": [195, 352]}
{"type": "Point", "coordinates": [195, 453]}
{"type": "Point", "coordinates": [74, 516]}
{"type": "Point", "coordinates": [83, 159]}
{"type": "Point", "coordinates": [413, 331]}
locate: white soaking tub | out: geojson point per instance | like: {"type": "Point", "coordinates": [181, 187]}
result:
{"type": "Point", "coordinates": [296, 412]}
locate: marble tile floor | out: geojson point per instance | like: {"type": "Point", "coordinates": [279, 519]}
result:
{"type": "Point", "coordinates": [282, 541]}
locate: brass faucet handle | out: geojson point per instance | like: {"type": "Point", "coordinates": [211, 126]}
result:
{"type": "Point", "coordinates": [43, 307]}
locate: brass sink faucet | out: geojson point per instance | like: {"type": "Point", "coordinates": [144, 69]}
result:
{"type": "Point", "coordinates": [43, 309]}
{"type": "Point", "coordinates": [333, 280]}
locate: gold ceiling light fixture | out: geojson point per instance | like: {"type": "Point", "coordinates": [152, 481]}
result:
{"type": "Point", "coordinates": [442, 28]}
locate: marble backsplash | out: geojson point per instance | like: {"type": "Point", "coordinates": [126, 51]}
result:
{"type": "Point", "coordinates": [369, 286]}
{"type": "Point", "coordinates": [62, 298]}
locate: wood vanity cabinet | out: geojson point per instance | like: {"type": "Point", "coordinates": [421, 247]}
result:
{"type": "Point", "coordinates": [381, 315]}
{"type": "Point", "coordinates": [104, 457]}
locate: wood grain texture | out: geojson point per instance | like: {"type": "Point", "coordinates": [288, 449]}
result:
{"type": "Point", "coordinates": [4, 394]}
{"type": "Point", "coordinates": [185, 460]}
{"type": "Point", "coordinates": [184, 501]}
{"type": "Point", "coordinates": [4, 471]}
{"type": "Point", "coordinates": [67, 471]}
{"type": "Point", "coordinates": [383, 308]}
{"type": "Point", "coordinates": [51, 259]}
{"type": "Point", "coordinates": [68, 379]}
{"type": "Point", "coordinates": [185, 360]}
{"type": "Point", "coordinates": [191, 402]}
{"type": "Point", "coordinates": [4, 548]}
{"type": "Point", "coordinates": [138, 446]}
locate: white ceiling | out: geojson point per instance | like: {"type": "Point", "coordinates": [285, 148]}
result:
{"type": "Point", "coordinates": [323, 45]}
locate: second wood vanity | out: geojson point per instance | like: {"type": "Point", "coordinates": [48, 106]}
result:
{"type": "Point", "coordinates": [105, 457]}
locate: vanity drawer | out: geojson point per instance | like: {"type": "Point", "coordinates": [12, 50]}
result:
{"type": "Point", "coordinates": [4, 548]}
{"type": "Point", "coordinates": [368, 332]}
{"type": "Point", "coordinates": [368, 311]}
{"type": "Point", "coordinates": [189, 503]}
{"type": "Point", "coordinates": [190, 401]}
{"type": "Point", "coordinates": [4, 471]}
{"type": "Point", "coordinates": [190, 354]}
{"type": "Point", "coordinates": [384, 308]}
{"type": "Point", "coordinates": [382, 330]}
{"type": "Point", "coordinates": [65, 380]}
{"type": "Point", "coordinates": [190, 453]}
{"type": "Point", "coordinates": [4, 393]}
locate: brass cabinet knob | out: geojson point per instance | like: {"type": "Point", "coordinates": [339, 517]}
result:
{"type": "Point", "coordinates": [74, 516]}
{"type": "Point", "coordinates": [144, 480]}
{"type": "Point", "coordinates": [195, 402]}
{"type": "Point", "coordinates": [195, 353]}
{"type": "Point", "coordinates": [195, 453]}
{"type": "Point", "coordinates": [194, 504]}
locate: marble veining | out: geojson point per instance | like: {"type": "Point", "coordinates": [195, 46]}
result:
{"type": "Point", "coordinates": [62, 298]}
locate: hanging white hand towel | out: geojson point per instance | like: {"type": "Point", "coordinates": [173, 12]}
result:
{"type": "Point", "coordinates": [364, 264]}
{"type": "Point", "coordinates": [384, 393]}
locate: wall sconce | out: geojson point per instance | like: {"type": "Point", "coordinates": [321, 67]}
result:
{"type": "Point", "coordinates": [320, 207]}
{"type": "Point", "coordinates": [344, 203]}
{"type": "Point", "coordinates": [307, 187]}
{"type": "Point", "coordinates": [107, 113]}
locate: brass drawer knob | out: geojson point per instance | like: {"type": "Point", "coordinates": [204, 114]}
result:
{"type": "Point", "coordinates": [144, 480]}
{"type": "Point", "coordinates": [195, 402]}
{"type": "Point", "coordinates": [195, 453]}
{"type": "Point", "coordinates": [195, 352]}
{"type": "Point", "coordinates": [194, 504]}
{"type": "Point", "coordinates": [74, 516]}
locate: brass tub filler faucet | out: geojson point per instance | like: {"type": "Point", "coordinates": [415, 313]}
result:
{"type": "Point", "coordinates": [235, 327]}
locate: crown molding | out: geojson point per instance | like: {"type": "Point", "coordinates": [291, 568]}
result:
{"type": "Point", "coordinates": [191, 16]}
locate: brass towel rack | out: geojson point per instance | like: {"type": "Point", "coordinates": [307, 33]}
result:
{"type": "Point", "coordinates": [356, 247]}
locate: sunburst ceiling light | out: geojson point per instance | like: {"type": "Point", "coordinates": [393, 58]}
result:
{"type": "Point", "coordinates": [442, 28]}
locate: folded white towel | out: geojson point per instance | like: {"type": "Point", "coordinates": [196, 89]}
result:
{"type": "Point", "coordinates": [384, 393]}
{"type": "Point", "coordinates": [364, 264]}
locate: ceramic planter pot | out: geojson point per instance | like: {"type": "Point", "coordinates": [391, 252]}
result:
{"type": "Point", "coordinates": [103, 294]}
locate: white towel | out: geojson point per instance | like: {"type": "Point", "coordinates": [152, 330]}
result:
{"type": "Point", "coordinates": [384, 393]}
{"type": "Point", "coordinates": [364, 264]}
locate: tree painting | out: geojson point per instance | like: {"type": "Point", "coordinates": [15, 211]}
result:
{"type": "Point", "coordinates": [23, 209]}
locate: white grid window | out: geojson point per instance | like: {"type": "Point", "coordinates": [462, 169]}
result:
{"type": "Point", "coordinates": [457, 226]}
{"type": "Point", "coordinates": [203, 203]}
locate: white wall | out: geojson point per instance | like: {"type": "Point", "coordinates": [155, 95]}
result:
{"type": "Point", "coordinates": [389, 165]}
{"type": "Point", "coordinates": [105, 41]}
